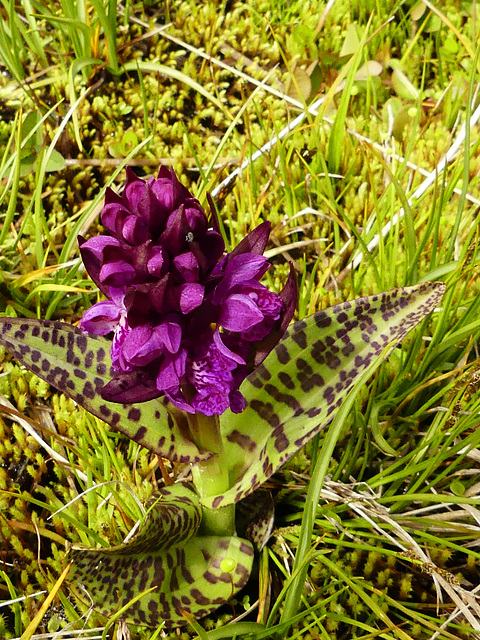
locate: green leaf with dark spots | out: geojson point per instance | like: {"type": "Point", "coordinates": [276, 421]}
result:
{"type": "Point", "coordinates": [301, 384]}
{"type": "Point", "coordinates": [79, 365]}
{"type": "Point", "coordinates": [188, 573]}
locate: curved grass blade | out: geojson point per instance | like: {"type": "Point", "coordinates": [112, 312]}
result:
{"type": "Point", "coordinates": [301, 384]}
{"type": "Point", "coordinates": [189, 574]}
{"type": "Point", "coordinates": [79, 365]}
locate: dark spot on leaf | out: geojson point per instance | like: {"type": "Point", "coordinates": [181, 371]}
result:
{"type": "Point", "coordinates": [82, 343]}
{"type": "Point", "coordinates": [244, 441]}
{"type": "Point", "coordinates": [282, 353]}
{"type": "Point", "coordinates": [255, 380]}
{"type": "Point", "coordinates": [88, 390]}
{"type": "Point", "coordinates": [104, 410]}
{"type": "Point", "coordinates": [263, 372]}
{"type": "Point", "coordinates": [285, 379]}
{"type": "Point", "coordinates": [140, 434]}
{"type": "Point", "coordinates": [300, 338]}
{"type": "Point", "coordinates": [266, 411]}
{"type": "Point", "coordinates": [134, 415]}
{"type": "Point", "coordinates": [322, 320]}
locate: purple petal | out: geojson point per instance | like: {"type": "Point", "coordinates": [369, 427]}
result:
{"type": "Point", "coordinates": [146, 302]}
{"type": "Point", "coordinates": [171, 372]}
{"type": "Point", "coordinates": [92, 260]}
{"type": "Point", "coordinates": [117, 273]}
{"type": "Point", "coordinates": [170, 333]}
{"type": "Point", "coordinates": [271, 306]}
{"type": "Point", "coordinates": [162, 295]}
{"type": "Point", "coordinates": [238, 313]}
{"type": "Point", "coordinates": [112, 217]}
{"type": "Point", "coordinates": [196, 218]}
{"type": "Point", "coordinates": [177, 399]}
{"type": "Point", "coordinates": [175, 235]}
{"type": "Point", "coordinates": [187, 266]}
{"type": "Point", "coordinates": [225, 351]}
{"type": "Point", "coordinates": [240, 270]}
{"type": "Point", "coordinates": [190, 296]}
{"type": "Point", "coordinates": [157, 262]}
{"type": "Point", "coordinates": [142, 346]}
{"type": "Point", "coordinates": [97, 245]}
{"type": "Point", "coordinates": [117, 295]}
{"type": "Point", "coordinates": [113, 198]}
{"type": "Point", "coordinates": [135, 230]}
{"type": "Point", "coordinates": [211, 246]}
{"type": "Point", "coordinates": [169, 192]}
{"type": "Point", "coordinates": [131, 177]}
{"type": "Point", "coordinates": [142, 202]}
{"type": "Point", "coordinates": [101, 319]}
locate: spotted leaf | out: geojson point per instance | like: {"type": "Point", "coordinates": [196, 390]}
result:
{"type": "Point", "coordinates": [79, 365]}
{"type": "Point", "coordinates": [301, 384]}
{"type": "Point", "coordinates": [188, 574]}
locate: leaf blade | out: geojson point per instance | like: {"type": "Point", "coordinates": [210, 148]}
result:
{"type": "Point", "coordinates": [79, 365]}
{"type": "Point", "coordinates": [296, 392]}
{"type": "Point", "coordinates": [188, 573]}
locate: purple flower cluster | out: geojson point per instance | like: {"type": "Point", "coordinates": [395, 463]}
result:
{"type": "Point", "coordinates": [188, 322]}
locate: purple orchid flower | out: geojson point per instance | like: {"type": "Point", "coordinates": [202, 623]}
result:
{"type": "Point", "coordinates": [188, 322]}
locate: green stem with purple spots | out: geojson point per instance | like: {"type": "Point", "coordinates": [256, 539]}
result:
{"type": "Point", "coordinates": [211, 476]}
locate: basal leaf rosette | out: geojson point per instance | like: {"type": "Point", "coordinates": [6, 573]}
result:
{"type": "Point", "coordinates": [178, 572]}
{"type": "Point", "coordinates": [188, 322]}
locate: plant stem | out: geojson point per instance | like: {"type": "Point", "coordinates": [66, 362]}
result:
{"type": "Point", "coordinates": [211, 476]}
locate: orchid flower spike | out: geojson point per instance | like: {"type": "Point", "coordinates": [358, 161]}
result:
{"type": "Point", "coordinates": [188, 321]}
